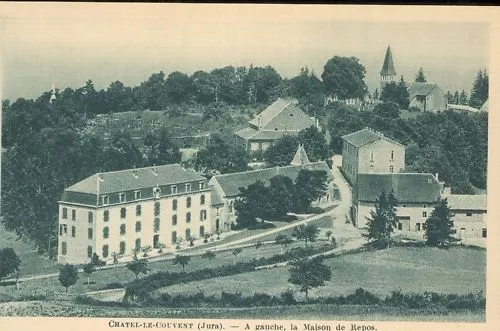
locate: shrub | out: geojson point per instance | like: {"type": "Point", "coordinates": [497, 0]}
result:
{"type": "Point", "coordinates": [362, 297]}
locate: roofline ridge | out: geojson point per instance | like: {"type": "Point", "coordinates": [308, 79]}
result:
{"type": "Point", "coordinates": [141, 168]}
{"type": "Point", "coordinates": [270, 168]}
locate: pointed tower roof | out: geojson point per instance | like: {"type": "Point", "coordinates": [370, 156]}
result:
{"type": "Point", "coordinates": [300, 157]}
{"type": "Point", "coordinates": [388, 67]}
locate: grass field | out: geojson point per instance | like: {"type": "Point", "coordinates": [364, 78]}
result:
{"type": "Point", "coordinates": [31, 261]}
{"type": "Point", "coordinates": [458, 270]}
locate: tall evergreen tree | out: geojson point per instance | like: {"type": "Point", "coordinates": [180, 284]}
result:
{"type": "Point", "coordinates": [464, 100]}
{"type": "Point", "coordinates": [479, 93]}
{"type": "Point", "coordinates": [440, 226]}
{"type": "Point", "coordinates": [383, 220]}
{"type": "Point", "coordinates": [420, 77]}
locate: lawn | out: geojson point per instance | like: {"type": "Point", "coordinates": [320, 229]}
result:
{"type": "Point", "coordinates": [457, 270]}
{"type": "Point", "coordinates": [31, 261]}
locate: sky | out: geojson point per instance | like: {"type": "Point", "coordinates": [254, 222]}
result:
{"type": "Point", "coordinates": [68, 45]}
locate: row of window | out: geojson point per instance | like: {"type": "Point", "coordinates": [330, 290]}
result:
{"type": "Point", "coordinates": [73, 215]}
{"type": "Point", "coordinates": [156, 193]}
{"type": "Point", "coordinates": [392, 156]}
{"type": "Point", "coordinates": [105, 248]}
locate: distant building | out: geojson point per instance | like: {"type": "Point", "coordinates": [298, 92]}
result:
{"type": "Point", "coordinates": [116, 212]}
{"type": "Point", "coordinates": [469, 217]}
{"type": "Point", "coordinates": [427, 97]}
{"type": "Point", "coordinates": [416, 193]}
{"type": "Point", "coordinates": [387, 73]}
{"type": "Point", "coordinates": [226, 188]}
{"type": "Point", "coordinates": [465, 108]}
{"type": "Point", "coordinates": [281, 118]}
{"type": "Point", "coordinates": [368, 151]}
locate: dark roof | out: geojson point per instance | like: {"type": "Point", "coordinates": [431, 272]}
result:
{"type": "Point", "coordinates": [418, 88]}
{"type": "Point", "coordinates": [366, 136]}
{"type": "Point", "coordinates": [125, 180]}
{"type": "Point", "coordinates": [407, 187]}
{"type": "Point", "coordinates": [231, 183]}
{"type": "Point", "coordinates": [388, 66]}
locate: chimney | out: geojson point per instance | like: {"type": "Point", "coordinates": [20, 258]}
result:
{"type": "Point", "coordinates": [134, 173]}
{"type": "Point", "coordinates": [100, 177]}
{"type": "Point", "coordinates": [437, 177]}
{"type": "Point", "coordinates": [153, 170]}
{"type": "Point", "coordinates": [259, 121]}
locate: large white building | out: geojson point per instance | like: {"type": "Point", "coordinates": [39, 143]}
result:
{"type": "Point", "coordinates": [117, 212]}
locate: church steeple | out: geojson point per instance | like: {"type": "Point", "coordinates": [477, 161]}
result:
{"type": "Point", "coordinates": [388, 73]}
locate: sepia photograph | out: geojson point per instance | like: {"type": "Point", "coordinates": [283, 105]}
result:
{"type": "Point", "coordinates": [285, 167]}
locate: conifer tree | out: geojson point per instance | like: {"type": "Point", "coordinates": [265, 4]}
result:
{"type": "Point", "coordinates": [440, 227]}
{"type": "Point", "coordinates": [383, 220]}
{"type": "Point", "coordinates": [479, 93]}
{"type": "Point", "coordinates": [420, 78]}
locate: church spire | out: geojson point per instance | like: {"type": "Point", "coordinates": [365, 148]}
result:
{"type": "Point", "coordinates": [53, 96]}
{"type": "Point", "coordinates": [388, 73]}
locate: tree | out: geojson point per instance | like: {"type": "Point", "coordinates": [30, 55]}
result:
{"type": "Point", "coordinates": [383, 220]}
{"type": "Point", "coordinates": [420, 77]}
{"type": "Point", "coordinates": [89, 268]}
{"type": "Point", "coordinates": [307, 232]}
{"type": "Point", "coordinates": [310, 185]}
{"type": "Point", "coordinates": [479, 93]}
{"type": "Point", "coordinates": [138, 267]}
{"type": "Point", "coordinates": [464, 100]}
{"type": "Point", "coordinates": [281, 196]}
{"type": "Point", "coordinates": [314, 143]}
{"type": "Point", "coordinates": [281, 152]}
{"type": "Point", "coordinates": [283, 241]}
{"type": "Point", "coordinates": [387, 110]}
{"type": "Point", "coordinates": [343, 77]}
{"type": "Point", "coordinates": [9, 262]}
{"type": "Point", "coordinates": [222, 154]}
{"type": "Point", "coordinates": [162, 150]}
{"type": "Point", "coordinates": [396, 93]}
{"type": "Point", "coordinates": [68, 276]}
{"type": "Point", "coordinates": [182, 260]}
{"type": "Point", "coordinates": [308, 89]}
{"type": "Point", "coordinates": [440, 225]}
{"type": "Point", "coordinates": [309, 274]}
{"type": "Point", "coordinates": [209, 255]}
{"type": "Point", "coordinates": [178, 87]}
{"type": "Point", "coordinates": [253, 202]}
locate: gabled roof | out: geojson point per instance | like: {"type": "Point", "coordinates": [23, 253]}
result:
{"type": "Point", "coordinates": [467, 202]}
{"type": "Point", "coordinates": [231, 183]}
{"type": "Point", "coordinates": [366, 136]}
{"type": "Point", "coordinates": [300, 157]}
{"type": "Point", "coordinates": [418, 88]}
{"type": "Point", "coordinates": [246, 133]}
{"type": "Point", "coordinates": [272, 111]}
{"type": "Point", "coordinates": [388, 66]}
{"type": "Point", "coordinates": [125, 180]}
{"type": "Point", "coordinates": [407, 187]}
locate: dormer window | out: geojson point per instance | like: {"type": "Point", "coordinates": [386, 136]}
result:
{"type": "Point", "coordinates": [187, 187]}
{"type": "Point", "coordinates": [202, 185]}
{"type": "Point", "coordinates": [173, 188]}
{"type": "Point", "coordinates": [123, 197]}
{"type": "Point", "coordinates": [156, 192]}
{"type": "Point", "coordinates": [105, 200]}
{"type": "Point", "coordinates": [291, 115]}
{"type": "Point", "coordinates": [137, 195]}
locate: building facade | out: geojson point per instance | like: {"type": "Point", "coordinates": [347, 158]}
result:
{"type": "Point", "coordinates": [281, 118]}
{"type": "Point", "coordinates": [427, 97]}
{"type": "Point", "coordinates": [368, 151]}
{"type": "Point", "coordinates": [469, 217]}
{"type": "Point", "coordinates": [226, 188]}
{"type": "Point", "coordinates": [117, 212]}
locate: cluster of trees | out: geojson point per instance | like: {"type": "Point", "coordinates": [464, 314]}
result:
{"type": "Point", "coordinates": [396, 93]}
{"type": "Point", "coordinates": [383, 220]}
{"type": "Point", "coordinates": [45, 150]}
{"type": "Point", "coordinates": [283, 150]}
{"type": "Point", "coordinates": [9, 262]}
{"type": "Point", "coordinates": [282, 195]}
{"type": "Point", "coordinates": [478, 94]}
{"type": "Point", "coordinates": [453, 144]}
